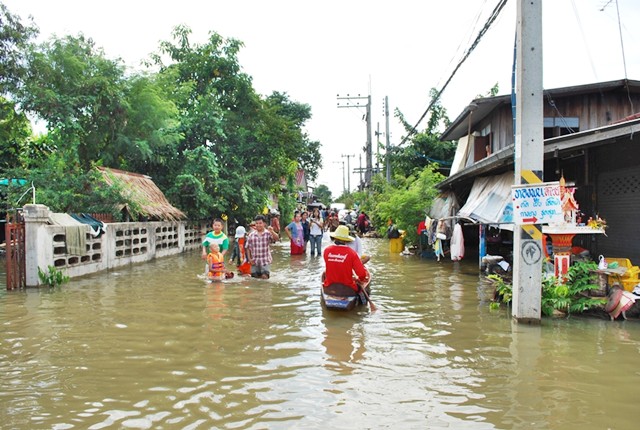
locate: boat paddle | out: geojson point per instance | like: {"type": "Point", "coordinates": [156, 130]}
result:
{"type": "Point", "coordinates": [371, 304]}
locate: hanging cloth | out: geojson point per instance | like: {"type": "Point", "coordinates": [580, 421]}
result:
{"type": "Point", "coordinates": [457, 243]}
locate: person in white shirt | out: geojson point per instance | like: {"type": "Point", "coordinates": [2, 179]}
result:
{"type": "Point", "coordinates": [316, 228]}
{"type": "Point", "coordinates": [356, 245]}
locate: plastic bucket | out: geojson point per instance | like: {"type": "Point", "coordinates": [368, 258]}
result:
{"type": "Point", "coordinates": [396, 246]}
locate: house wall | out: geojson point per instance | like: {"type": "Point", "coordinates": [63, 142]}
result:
{"type": "Point", "coordinates": [616, 180]}
{"type": "Point", "coordinates": [501, 123]}
{"type": "Point", "coordinates": [593, 110]}
{"type": "Point", "coordinates": [122, 244]}
{"type": "Point", "coordinates": [608, 184]}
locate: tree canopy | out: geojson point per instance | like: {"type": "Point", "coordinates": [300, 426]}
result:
{"type": "Point", "coordinates": [192, 121]}
{"type": "Point", "coordinates": [425, 147]}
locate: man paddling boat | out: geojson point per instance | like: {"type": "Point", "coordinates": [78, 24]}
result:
{"type": "Point", "coordinates": [345, 274]}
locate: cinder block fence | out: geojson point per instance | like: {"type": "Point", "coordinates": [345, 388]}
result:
{"type": "Point", "coordinates": [121, 244]}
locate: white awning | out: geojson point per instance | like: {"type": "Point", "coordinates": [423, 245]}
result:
{"type": "Point", "coordinates": [444, 206]}
{"type": "Point", "coordinates": [489, 201]}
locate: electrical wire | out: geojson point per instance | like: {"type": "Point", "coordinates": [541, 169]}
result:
{"type": "Point", "coordinates": [624, 60]}
{"type": "Point", "coordinates": [552, 103]}
{"type": "Point", "coordinates": [494, 15]}
{"type": "Point", "coordinates": [466, 39]}
{"type": "Point", "coordinates": [584, 39]}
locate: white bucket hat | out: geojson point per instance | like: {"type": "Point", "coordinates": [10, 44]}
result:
{"type": "Point", "coordinates": [240, 232]}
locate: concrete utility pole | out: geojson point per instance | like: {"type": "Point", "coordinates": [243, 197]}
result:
{"type": "Point", "coordinates": [358, 104]}
{"type": "Point", "coordinates": [378, 148]}
{"type": "Point", "coordinates": [367, 175]}
{"type": "Point", "coordinates": [341, 162]}
{"type": "Point", "coordinates": [529, 162]}
{"type": "Point", "coordinates": [348, 170]}
{"type": "Point", "coordinates": [361, 187]}
{"type": "Point", "coordinates": [388, 141]}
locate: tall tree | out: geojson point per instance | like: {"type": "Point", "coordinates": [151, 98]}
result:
{"type": "Point", "coordinates": [15, 129]}
{"type": "Point", "coordinates": [149, 139]}
{"type": "Point", "coordinates": [14, 39]}
{"type": "Point", "coordinates": [72, 86]}
{"type": "Point", "coordinates": [298, 145]}
{"type": "Point", "coordinates": [425, 147]}
{"type": "Point", "coordinates": [15, 132]}
{"type": "Point", "coordinates": [323, 194]}
{"type": "Point", "coordinates": [256, 142]}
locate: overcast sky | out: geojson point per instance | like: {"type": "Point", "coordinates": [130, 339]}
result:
{"type": "Point", "coordinates": [315, 50]}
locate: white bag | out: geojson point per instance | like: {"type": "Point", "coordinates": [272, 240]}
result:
{"type": "Point", "coordinates": [602, 265]}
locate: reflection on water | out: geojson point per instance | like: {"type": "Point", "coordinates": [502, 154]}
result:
{"type": "Point", "coordinates": [154, 346]}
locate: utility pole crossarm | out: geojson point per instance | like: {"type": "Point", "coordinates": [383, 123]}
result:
{"type": "Point", "coordinates": [348, 170]}
{"type": "Point", "coordinates": [359, 102]}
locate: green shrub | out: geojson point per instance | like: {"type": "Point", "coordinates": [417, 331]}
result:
{"type": "Point", "coordinates": [567, 297]}
{"type": "Point", "coordinates": [570, 296]}
{"type": "Point", "coordinates": [52, 277]}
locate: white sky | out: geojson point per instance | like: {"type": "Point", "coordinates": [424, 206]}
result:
{"type": "Point", "coordinates": [314, 50]}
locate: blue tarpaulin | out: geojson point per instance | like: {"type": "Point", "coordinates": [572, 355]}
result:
{"type": "Point", "coordinates": [5, 181]}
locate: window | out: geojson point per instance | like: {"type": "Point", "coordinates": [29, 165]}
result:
{"type": "Point", "coordinates": [559, 126]}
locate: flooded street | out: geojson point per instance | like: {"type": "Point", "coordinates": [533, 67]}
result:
{"type": "Point", "coordinates": [153, 346]}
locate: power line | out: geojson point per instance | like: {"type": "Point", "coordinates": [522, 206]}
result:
{"type": "Point", "coordinates": [584, 39]}
{"type": "Point", "coordinates": [494, 15]}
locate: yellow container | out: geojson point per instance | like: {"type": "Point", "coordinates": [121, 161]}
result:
{"type": "Point", "coordinates": [630, 278]}
{"type": "Point", "coordinates": [629, 284]}
{"type": "Point", "coordinates": [395, 245]}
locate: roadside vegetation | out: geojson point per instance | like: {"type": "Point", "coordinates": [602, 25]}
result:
{"type": "Point", "coordinates": [565, 298]}
{"type": "Point", "coordinates": [190, 119]}
{"type": "Point", "coordinates": [416, 168]}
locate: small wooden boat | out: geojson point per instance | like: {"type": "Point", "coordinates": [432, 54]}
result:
{"type": "Point", "coordinates": [341, 302]}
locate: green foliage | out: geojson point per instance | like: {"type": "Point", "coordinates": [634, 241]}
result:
{"type": "Point", "coordinates": [15, 134]}
{"type": "Point", "coordinates": [493, 91]}
{"type": "Point", "coordinates": [363, 200]}
{"type": "Point", "coordinates": [52, 277]}
{"type": "Point", "coordinates": [149, 139]}
{"type": "Point", "coordinates": [405, 201]}
{"type": "Point", "coordinates": [72, 86]}
{"type": "Point", "coordinates": [195, 125]}
{"type": "Point", "coordinates": [258, 141]}
{"type": "Point", "coordinates": [323, 194]}
{"type": "Point", "coordinates": [15, 37]}
{"type": "Point", "coordinates": [504, 291]}
{"type": "Point", "coordinates": [425, 147]}
{"type": "Point", "coordinates": [567, 297]}
{"type": "Point", "coordinates": [196, 184]}
{"type": "Point", "coordinates": [69, 189]}
{"type": "Point", "coordinates": [287, 202]}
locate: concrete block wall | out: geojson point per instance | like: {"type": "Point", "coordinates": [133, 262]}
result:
{"type": "Point", "coordinates": [119, 245]}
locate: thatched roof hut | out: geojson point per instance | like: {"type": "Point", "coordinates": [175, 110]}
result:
{"type": "Point", "coordinates": [150, 201]}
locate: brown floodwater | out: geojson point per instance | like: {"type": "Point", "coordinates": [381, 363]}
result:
{"type": "Point", "coordinates": [152, 346]}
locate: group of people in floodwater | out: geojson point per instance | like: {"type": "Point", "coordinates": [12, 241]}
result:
{"type": "Point", "coordinates": [345, 272]}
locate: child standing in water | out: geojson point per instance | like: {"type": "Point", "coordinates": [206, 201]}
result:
{"type": "Point", "coordinates": [296, 234]}
{"type": "Point", "coordinates": [215, 262]}
{"type": "Point", "coordinates": [239, 253]}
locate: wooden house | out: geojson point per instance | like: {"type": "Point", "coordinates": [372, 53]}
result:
{"type": "Point", "coordinates": [591, 136]}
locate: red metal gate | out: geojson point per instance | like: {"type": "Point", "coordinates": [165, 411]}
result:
{"type": "Point", "coordinates": [14, 237]}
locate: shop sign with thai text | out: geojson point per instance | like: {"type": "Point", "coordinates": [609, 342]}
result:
{"type": "Point", "coordinates": [537, 203]}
